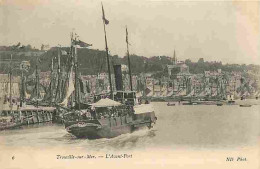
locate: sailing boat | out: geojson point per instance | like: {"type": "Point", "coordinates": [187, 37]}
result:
{"type": "Point", "coordinates": [8, 119]}
{"type": "Point", "coordinates": [113, 116]}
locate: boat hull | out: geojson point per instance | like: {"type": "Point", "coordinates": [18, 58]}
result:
{"type": "Point", "coordinates": [10, 126]}
{"type": "Point", "coordinates": [245, 105]}
{"type": "Point", "coordinates": [96, 132]}
{"type": "Point", "coordinates": [170, 104]}
{"type": "Point", "coordinates": [108, 128]}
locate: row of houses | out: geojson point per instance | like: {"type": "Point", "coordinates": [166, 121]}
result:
{"type": "Point", "coordinates": [179, 83]}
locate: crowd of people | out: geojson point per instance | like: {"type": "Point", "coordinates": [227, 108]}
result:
{"type": "Point", "coordinates": [100, 113]}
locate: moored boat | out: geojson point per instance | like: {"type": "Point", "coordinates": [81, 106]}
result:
{"type": "Point", "coordinates": [8, 123]}
{"type": "Point", "coordinates": [231, 102]}
{"type": "Point", "coordinates": [170, 104]}
{"type": "Point", "coordinates": [245, 105]}
{"type": "Point", "coordinates": [110, 116]}
{"type": "Point", "coordinates": [107, 118]}
{"type": "Point", "coordinates": [219, 104]}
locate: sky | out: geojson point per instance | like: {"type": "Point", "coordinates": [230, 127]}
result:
{"type": "Point", "coordinates": [226, 31]}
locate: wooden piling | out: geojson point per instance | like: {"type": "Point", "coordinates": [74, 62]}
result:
{"type": "Point", "coordinates": [44, 116]}
{"type": "Point", "coordinates": [27, 118]}
{"type": "Point", "coordinates": [33, 115]}
{"type": "Point", "coordinates": [39, 117]}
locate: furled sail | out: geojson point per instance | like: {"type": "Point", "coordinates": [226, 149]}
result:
{"type": "Point", "coordinates": [164, 92]}
{"type": "Point", "coordinates": [182, 92]}
{"type": "Point", "coordinates": [170, 93]}
{"type": "Point", "coordinates": [27, 95]}
{"type": "Point", "coordinates": [70, 89]}
{"type": "Point", "coordinates": [192, 93]}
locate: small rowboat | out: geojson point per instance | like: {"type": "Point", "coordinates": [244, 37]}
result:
{"type": "Point", "coordinates": [219, 104]}
{"type": "Point", "coordinates": [7, 123]}
{"type": "Point", "coordinates": [245, 105]}
{"type": "Point", "coordinates": [231, 102]}
{"type": "Point", "coordinates": [170, 104]}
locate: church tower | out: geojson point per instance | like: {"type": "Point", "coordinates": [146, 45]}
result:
{"type": "Point", "coordinates": [174, 60]}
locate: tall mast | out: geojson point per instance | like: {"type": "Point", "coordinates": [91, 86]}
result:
{"type": "Point", "coordinates": [69, 65]}
{"type": "Point", "coordinates": [51, 89]}
{"type": "Point", "coordinates": [59, 73]}
{"type": "Point", "coordinates": [167, 87]}
{"type": "Point", "coordinates": [58, 91]}
{"type": "Point", "coordinates": [10, 81]}
{"type": "Point", "coordinates": [77, 95]}
{"type": "Point", "coordinates": [153, 87]}
{"type": "Point", "coordinates": [22, 90]}
{"type": "Point", "coordinates": [211, 89]}
{"type": "Point", "coordinates": [145, 86]}
{"type": "Point", "coordinates": [37, 83]}
{"type": "Point", "coordinates": [74, 53]}
{"type": "Point", "coordinates": [108, 64]}
{"type": "Point", "coordinates": [129, 64]}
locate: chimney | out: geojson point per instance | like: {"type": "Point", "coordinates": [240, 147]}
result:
{"type": "Point", "coordinates": [118, 77]}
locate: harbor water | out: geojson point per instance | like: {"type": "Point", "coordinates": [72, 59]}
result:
{"type": "Point", "coordinates": [193, 134]}
{"type": "Point", "coordinates": [190, 126]}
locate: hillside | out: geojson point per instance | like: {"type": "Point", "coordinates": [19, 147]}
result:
{"type": "Point", "coordinates": [92, 61]}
